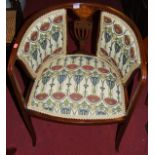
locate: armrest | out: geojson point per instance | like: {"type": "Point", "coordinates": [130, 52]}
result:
{"type": "Point", "coordinates": [145, 58]}
{"type": "Point", "coordinates": [142, 80]}
{"type": "Point", "coordinates": [135, 97]}
{"type": "Point", "coordinates": [13, 78]}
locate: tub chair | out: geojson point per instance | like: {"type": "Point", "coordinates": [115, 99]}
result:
{"type": "Point", "coordinates": [84, 86]}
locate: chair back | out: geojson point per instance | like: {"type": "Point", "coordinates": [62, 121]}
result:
{"type": "Point", "coordinates": [118, 42]}
{"type": "Point", "coordinates": [45, 37]}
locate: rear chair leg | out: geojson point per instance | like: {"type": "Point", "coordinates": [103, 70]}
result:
{"type": "Point", "coordinates": [121, 128]}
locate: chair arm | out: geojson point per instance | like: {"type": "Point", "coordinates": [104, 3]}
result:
{"type": "Point", "coordinates": [143, 77]}
{"type": "Point", "coordinates": [13, 79]}
{"type": "Point", "coordinates": [138, 92]}
{"type": "Point", "coordinates": [145, 59]}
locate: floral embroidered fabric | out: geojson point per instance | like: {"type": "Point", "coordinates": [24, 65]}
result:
{"type": "Point", "coordinates": [78, 87]}
{"type": "Point", "coordinates": [45, 37]}
{"type": "Point", "coordinates": [118, 42]}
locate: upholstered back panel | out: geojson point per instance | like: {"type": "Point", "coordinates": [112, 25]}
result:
{"type": "Point", "coordinates": [118, 43]}
{"type": "Point", "coordinates": [44, 38]}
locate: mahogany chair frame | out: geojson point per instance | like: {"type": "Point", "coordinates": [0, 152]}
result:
{"type": "Point", "coordinates": [131, 102]}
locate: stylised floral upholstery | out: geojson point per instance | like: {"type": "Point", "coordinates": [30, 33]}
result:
{"type": "Point", "coordinates": [45, 37]}
{"type": "Point", "coordinates": [78, 87]}
{"type": "Point", "coordinates": [118, 43]}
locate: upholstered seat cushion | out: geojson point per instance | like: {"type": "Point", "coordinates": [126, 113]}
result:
{"type": "Point", "coordinates": [78, 87]}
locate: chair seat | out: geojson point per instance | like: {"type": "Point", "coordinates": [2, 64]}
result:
{"type": "Point", "coordinates": [78, 87]}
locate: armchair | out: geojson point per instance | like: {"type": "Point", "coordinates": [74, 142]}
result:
{"type": "Point", "coordinates": [84, 87]}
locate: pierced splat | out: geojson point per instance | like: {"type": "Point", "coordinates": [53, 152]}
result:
{"type": "Point", "coordinates": [82, 29]}
{"type": "Point", "coordinates": [83, 26]}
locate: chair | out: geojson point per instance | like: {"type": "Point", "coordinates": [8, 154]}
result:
{"type": "Point", "coordinates": [82, 86]}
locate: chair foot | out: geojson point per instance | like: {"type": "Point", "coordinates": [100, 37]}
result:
{"type": "Point", "coordinates": [33, 136]}
{"type": "Point", "coordinates": [119, 134]}
{"type": "Point", "coordinates": [34, 141]}
{"type": "Point", "coordinates": [31, 131]}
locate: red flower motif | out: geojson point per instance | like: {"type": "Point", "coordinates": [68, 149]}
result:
{"type": "Point", "coordinates": [110, 101]}
{"type": "Point", "coordinates": [93, 98]}
{"type": "Point", "coordinates": [132, 52]}
{"type": "Point", "coordinates": [58, 95]}
{"type": "Point", "coordinates": [127, 40]}
{"type": "Point", "coordinates": [57, 19]}
{"type": "Point", "coordinates": [107, 20]}
{"type": "Point", "coordinates": [41, 96]}
{"type": "Point", "coordinates": [57, 67]}
{"type": "Point", "coordinates": [76, 96]}
{"type": "Point", "coordinates": [103, 70]}
{"type": "Point", "coordinates": [34, 36]}
{"type": "Point", "coordinates": [117, 28]}
{"type": "Point", "coordinates": [58, 50]}
{"type": "Point", "coordinates": [45, 26]}
{"type": "Point", "coordinates": [88, 67]}
{"type": "Point", "coordinates": [72, 66]}
{"type": "Point", "coordinates": [26, 47]}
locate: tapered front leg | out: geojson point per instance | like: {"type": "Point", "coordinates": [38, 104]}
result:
{"type": "Point", "coordinates": [29, 126]}
{"type": "Point", "coordinates": [20, 103]}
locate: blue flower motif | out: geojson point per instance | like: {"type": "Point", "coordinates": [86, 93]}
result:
{"type": "Point", "coordinates": [94, 80]}
{"type": "Point", "coordinates": [65, 110]}
{"type": "Point", "coordinates": [83, 111]}
{"type": "Point", "coordinates": [117, 47]}
{"type": "Point", "coordinates": [107, 36]}
{"type": "Point", "coordinates": [88, 58]}
{"type": "Point", "coordinates": [62, 76]}
{"type": "Point", "coordinates": [78, 78]}
{"type": "Point", "coordinates": [110, 81]}
{"type": "Point", "coordinates": [55, 36]}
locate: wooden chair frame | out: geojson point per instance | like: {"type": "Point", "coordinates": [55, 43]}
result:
{"type": "Point", "coordinates": [22, 102]}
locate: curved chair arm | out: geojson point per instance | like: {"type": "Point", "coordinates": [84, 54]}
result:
{"type": "Point", "coordinates": [142, 80]}
{"type": "Point", "coordinates": [13, 78]}
{"type": "Point", "coordinates": [145, 55]}
{"type": "Point", "coordinates": [135, 96]}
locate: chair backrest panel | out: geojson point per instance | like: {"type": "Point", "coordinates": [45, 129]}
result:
{"type": "Point", "coordinates": [118, 42]}
{"type": "Point", "coordinates": [44, 38]}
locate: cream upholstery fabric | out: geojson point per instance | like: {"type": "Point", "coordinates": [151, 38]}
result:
{"type": "Point", "coordinates": [118, 42]}
{"type": "Point", "coordinates": [45, 37]}
{"type": "Point", "coordinates": [78, 87]}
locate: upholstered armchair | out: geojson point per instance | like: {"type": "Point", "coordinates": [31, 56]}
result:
{"type": "Point", "coordinates": [82, 86]}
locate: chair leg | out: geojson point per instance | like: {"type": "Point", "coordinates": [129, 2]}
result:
{"type": "Point", "coordinates": [121, 128]}
{"type": "Point", "coordinates": [29, 126]}
{"type": "Point", "coordinates": [15, 93]}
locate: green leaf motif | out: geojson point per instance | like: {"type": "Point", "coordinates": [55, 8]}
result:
{"type": "Point", "coordinates": [46, 77]}
{"type": "Point", "coordinates": [43, 43]}
{"type": "Point", "coordinates": [117, 47]}
{"type": "Point", "coordinates": [35, 54]}
{"type": "Point", "coordinates": [107, 34]}
{"type": "Point", "coordinates": [55, 28]}
{"type": "Point", "coordinates": [125, 58]}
